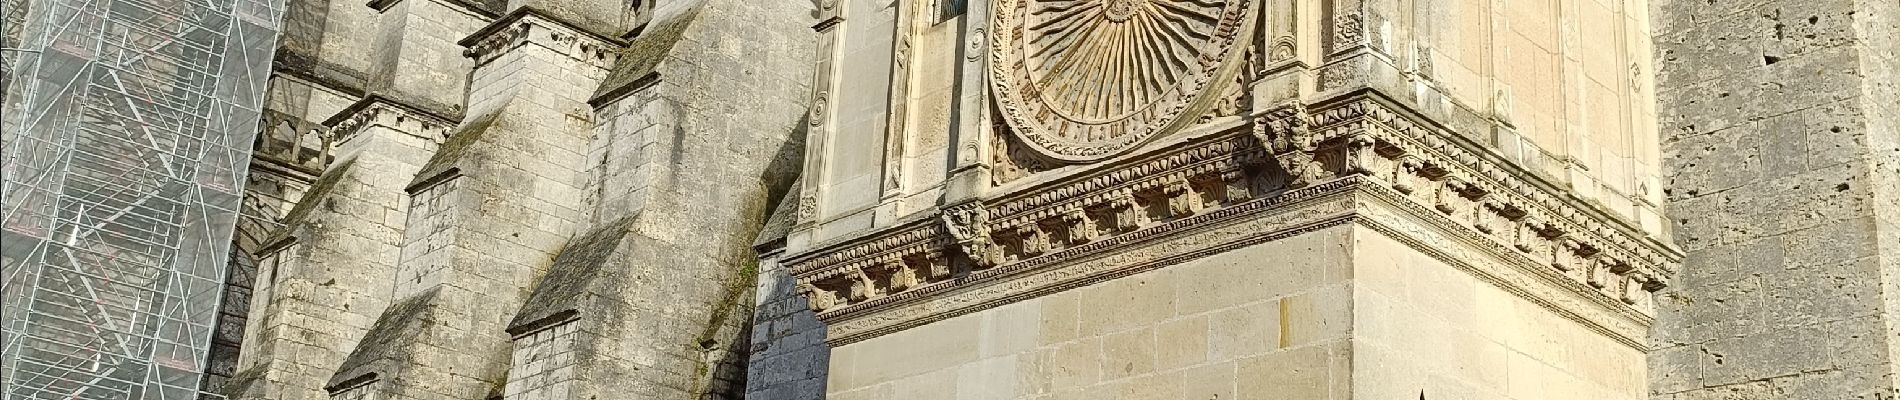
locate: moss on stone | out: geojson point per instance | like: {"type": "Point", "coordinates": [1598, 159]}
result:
{"type": "Point", "coordinates": [455, 147]}
{"type": "Point", "coordinates": [239, 383]}
{"type": "Point", "coordinates": [387, 337]}
{"type": "Point", "coordinates": [315, 196]}
{"type": "Point", "coordinates": [643, 55]}
{"type": "Point", "coordinates": [578, 265]}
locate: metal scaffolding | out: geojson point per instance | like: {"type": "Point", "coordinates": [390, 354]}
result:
{"type": "Point", "coordinates": [127, 130]}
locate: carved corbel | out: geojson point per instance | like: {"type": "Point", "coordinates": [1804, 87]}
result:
{"type": "Point", "coordinates": [827, 293]}
{"type": "Point", "coordinates": [1407, 178]}
{"type": "Point", "coordinates": [1632, 290]}
{"type": "Point", "coordinates": [1361, 151]}
{"type": "Point", "coordinates": [1034, 241]}
{"type": "Point", "coordinates": [969, 228]}
{"type": "Point", "coordinates": [1076, 227]}
{"type": "Point", "coordinates": [858, 287]}
{"type": "Point", "coordinates": [1534, 235]}
{"type": "Point", "coordinates": [887, 277]}
{"type": "Point", "coordinates": [1177, 195]}
{"type": "Point", "coordinates": [1113, 216]}
{"type": "Point", "coordinates": [1287, 135]}
{"type": "Point", "coordinates": [1600, 274]}
{"type": "Point", "coordinates": [1457, 194]}
{"type": "Point", "coordinates": [1567, 254]}
{"type": "Point", "coordinates": [1238, 186]}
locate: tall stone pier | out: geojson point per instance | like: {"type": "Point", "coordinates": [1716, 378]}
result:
{"type": "Point", "coordinates": [1157, 199]}
{"type": "Point", "coordinates": [1781, 127]}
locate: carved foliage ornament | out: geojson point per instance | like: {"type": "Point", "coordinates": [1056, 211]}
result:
{"type": "Point", "coordinates": [1081, 80]}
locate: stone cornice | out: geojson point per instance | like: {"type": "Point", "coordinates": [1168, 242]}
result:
{"type": "Point", "coordinates": [471, 8]}
{"type": "Point", "coordinates": [381, 111]}
{"type": "Point", "coordinates": [1440, 194]}
{"type": "Point", "coordinates": [525, 26]}
{"type": "Point", "coordinates": [1369, 135]}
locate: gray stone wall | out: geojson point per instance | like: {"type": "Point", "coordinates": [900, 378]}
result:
{"type": "Point", "coordinates": [789, 354]}
{"type": "Point", "coordinates": [490, 209]}
{"type": "Point", "coordinates": [1779, 131]}
{"type": "Point", "coordinates": [417, 61]}
{"type": "Point", "coordinates": [319, 291]}
{"type": "Point", "coordinates": [679, 175]}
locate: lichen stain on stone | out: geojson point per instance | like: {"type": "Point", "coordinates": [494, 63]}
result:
{"type": "Point", "coordinates": [644, 54]}
{"type": "Point", "coordinates": [455, 147]}
{"type": "Point", "coordinates": [575, 267]}
{"type": "Point", "coordinates": [318, 193]}
{"type": "Point", "coordinates": [385, 337]}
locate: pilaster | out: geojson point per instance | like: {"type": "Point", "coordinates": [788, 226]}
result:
{"type": "Point", "coordinates": [821, 119]}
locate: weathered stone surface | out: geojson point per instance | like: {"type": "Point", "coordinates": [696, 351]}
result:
{"type": "Point", "coordinates": [1348, 199]}
{"type": "Point", "coordinates": [1780, 157]}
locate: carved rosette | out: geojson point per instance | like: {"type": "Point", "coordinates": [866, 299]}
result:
{"type": "Point", "coordinates": [1082, 80]}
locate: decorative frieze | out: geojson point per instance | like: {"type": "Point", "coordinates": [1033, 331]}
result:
{"type": "Point", "coordinates": [379, 111]}
{"type": "Point", "coordinates": [525, 26]}
{"type": "Point", "coordinates": [1357, 146]}
{"type": "Point", "coordinates": [1368, 136]}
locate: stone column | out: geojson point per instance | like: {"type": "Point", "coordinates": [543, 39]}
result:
{"type": "Point", "coordinates": [488, 212]}
{"type": "Point", "coordinates": [1782, 148]}
{"type": "Point", "coordinates": [322, 280]}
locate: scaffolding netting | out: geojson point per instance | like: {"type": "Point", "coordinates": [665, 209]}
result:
{"type": "Point", "coordinates": [126, 127]}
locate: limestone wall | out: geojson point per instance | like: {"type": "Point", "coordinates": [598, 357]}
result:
{"type": "Point", "coordinates": [1780, 139]}
{"type": "Point", "coordinates": [1338, 313]}
{"type": "Point", "coordinates": [789, 355]}
{"type": "Point", "coordinates": [1566, 84]}
{"type": "Point", "coordinates": [653, 293]}
{"type": "Point", "coordinates": [1422, 326]}
{"type": "Point", "coordinates": [322, 279]}
{"type": "Point", "coordinates": [417, 61]}
{"type": "Point", "coordinates": [1265, 319]}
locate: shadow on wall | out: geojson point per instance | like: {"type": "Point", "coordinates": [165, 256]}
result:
{"type": "Point", "coordinates": [788, 353]}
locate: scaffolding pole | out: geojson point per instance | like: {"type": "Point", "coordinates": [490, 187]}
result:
{"type": "Point", "coordinates": [126, 130]}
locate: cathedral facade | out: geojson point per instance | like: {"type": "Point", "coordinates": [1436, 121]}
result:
{"type": "Point", "coordinates": [1089, 199]}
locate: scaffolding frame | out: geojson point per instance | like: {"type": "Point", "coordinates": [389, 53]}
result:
{"type": "Point", "coordinates": [127, 132]}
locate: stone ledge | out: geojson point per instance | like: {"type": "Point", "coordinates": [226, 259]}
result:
{"type": "Point", "coordinates": [377, 110]}
{"type": "Point", "coordinates": [1357, 140]}
{"type": "Point", "coordinates": [1350, 201]}
{"type": "Point", "coordinates": [526, 25]}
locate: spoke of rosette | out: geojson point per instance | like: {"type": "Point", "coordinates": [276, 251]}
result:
{"type": "Point", "coordinates": [1185, 22]}
{"type": "Point", "coordinates": [1179, 7]}
{"type": "Point", "coordinates": [1166, 47]}
{"type": "Point", "coordinates": [1057, 78]}
{"type": "Point", "coordinates": [1073, 29]}
{"type": "Point", "coordinates": [1063, 15]}
{"type": "Point", "coordinates": [1092, 77]}
{"type": "Point", "coordinates": [1108, 86]}
{"type": "Point", "coordinates": [1149, 59]}
{"type": "Point", "coordinates": [1123, 78]}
